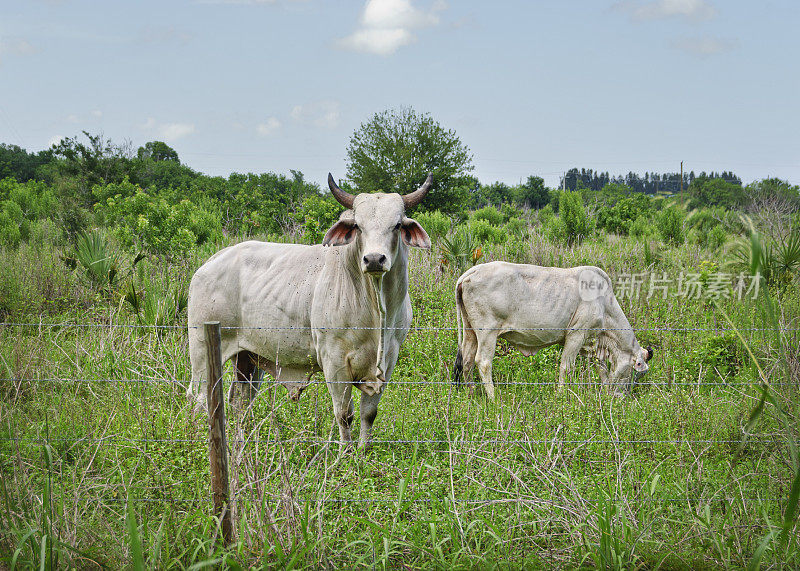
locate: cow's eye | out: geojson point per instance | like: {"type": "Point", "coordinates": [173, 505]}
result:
{"type": "Point", "coordinates": [355, 226]}
{"type": "Point", "coordinates": [397, 226]}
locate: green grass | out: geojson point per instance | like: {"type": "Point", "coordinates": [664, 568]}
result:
{"type": "Point", "coordinates": [115, 474]}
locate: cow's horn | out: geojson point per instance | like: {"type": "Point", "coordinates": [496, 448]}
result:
{"type": "Point", "coordinates": [414, 198]}
{"type": "Point", "coordinates": [344, 198]}
{"type": "Point", "coordinates": [649, 353]}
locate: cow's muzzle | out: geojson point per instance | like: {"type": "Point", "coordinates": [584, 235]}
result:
{"type": "Point", "coordinates": [375, 264]}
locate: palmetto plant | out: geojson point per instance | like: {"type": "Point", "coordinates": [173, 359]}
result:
{"type": "Point", "coordinates": [776, 262]}
{"type": "Point", "coordinates": [94, 254]}
{"type": "Point", "coordinates": [153, 309]}
{"type": "Point", "coordinates": [460, 250]}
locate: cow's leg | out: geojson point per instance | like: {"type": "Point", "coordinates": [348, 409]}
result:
{"type": "Point", "coordinates": [483, 358]}
{"type": "Point", "coordinates": [341, 390]}
{"type": "Point", "coordinates": [247, 379]}
{"type": "Point", "coordinates": [572, 346]}
{"type": "Point", "coordinates": [369, 410]}
{"type": "Point", "coordinates": [369, 403]}
{"type": "Point", "coordinates": [196, 391]}
{"type": "Point", "coordinates": [468, 351]}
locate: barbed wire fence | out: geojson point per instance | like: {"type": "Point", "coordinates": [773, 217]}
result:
{"type": "Point", "coordinates": [288, 486]}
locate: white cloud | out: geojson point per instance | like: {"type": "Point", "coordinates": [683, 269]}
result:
{"type": "Point", "coordinates": [383, 42]}
{"type": "Point", "coordinates": [15, 46]}
{"type": "Point", "coordinates": [168, 131]}
{"type": "Point", "coordinates": [324, 114]}
{"type": "Point", "coordinates": [267, 128]}
{"type": "Point", "coordinates": [72, 118]}
{"type": "Point", "coordinates": [387, 25]}
{"type": "Point", "coordinates": [97, 113]}
{"type": "Point", "coordinates": [705, 46]}
{"type": "Point", "coordinates": [693, 10]}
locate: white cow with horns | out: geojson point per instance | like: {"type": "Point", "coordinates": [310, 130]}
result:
{"type": "Point", "coordinates": [533, 307]}
{"type": "Point", "coordinates": [340, 307]}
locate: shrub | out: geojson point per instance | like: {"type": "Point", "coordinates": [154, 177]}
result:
{"type": "Point", "coordinates": [577, 225]}
{"type": "Point", "coordinates": [508, 211]}
{"type": "Point", "coordinates": [316, 214]}
{"type": "Point", "coordinates": [555, 229]}
{"type": "Point", "coordinates": [484, 231]}
{"type": "Point", "coordinates": [719, 357]}
{"type": "Point", "coordinates": [517, 250]}
{"type": "Point", "coordinates": [545, 214]}
{"type": "Point", "coordinates": [517, 227]}
{"type": "Point", "coordinates": [490, 214]}
{"type": "Point", "coordinates": [159, 225]}
{"type": "Point", "coordinates": [619, 217]}
{"type": "Point", "coordinates": [10, 235]}
{"type": "Point", "coordinates": [670, 224]}
{"type": "Point", "coordinates": [435, 223]}
{"type": "Point", "coordinates": [642, 227]}
{"type": "Point", "coordinates": [35, 199]}
{"type": "Point", "coordinates": [778, 263]}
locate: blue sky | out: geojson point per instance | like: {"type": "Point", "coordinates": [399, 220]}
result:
{"type": "Point", "coordinates": [530, 87]}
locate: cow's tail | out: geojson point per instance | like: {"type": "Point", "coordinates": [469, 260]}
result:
{"type": "Point", "coordinates": [458, 366]}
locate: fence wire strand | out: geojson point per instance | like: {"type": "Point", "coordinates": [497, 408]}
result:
{"type": "Point", "coordinates": [449, 443]}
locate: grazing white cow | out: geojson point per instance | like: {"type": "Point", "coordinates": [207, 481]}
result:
{"type": "Point", "coordinates": [341, 307]}
{"type": "Point", "coordinates": [533, 307]}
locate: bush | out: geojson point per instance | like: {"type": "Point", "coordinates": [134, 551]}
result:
{"type": "Point", "coordinates": [719, 357]}
{"type": "Point", "coordinates": [517, 227]}
{"type": "Point", "coordinates": [619, 217]}
{"type": "Point", "coordinates": [670, 224]}
{"type": "Point", "coordinates": [434, 222]}
{"type": "Point", "coordinates": [10, 234]}
{"type": "Point", "coordinates": [316, 215]}
{"type": "Point", "coordinates": [554, 229]}
{"type": "Point", "coordinates": [517, 250]}
{"type": "Point", "coordinates": [159, 225]}
{"type": "Point", "coordinates": [483, 231]}
{"type": "Point", "coordinates": [508, 211]}
{"type": "Point", "coordinates": [576, 223]}
{"type": "Point", "coordinates": [642, 227]}
{"type": "Point", "coordinates": [490, 214]}
{"type": "Point", "coordinates": [545, 214]}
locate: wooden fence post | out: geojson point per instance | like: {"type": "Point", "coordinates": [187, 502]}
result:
{"type": "Point", "coordinates": [218, 442]}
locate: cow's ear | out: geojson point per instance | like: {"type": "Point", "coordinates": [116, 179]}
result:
{"type": "Point", "coordinates": [649, 353]}
{"type": "Point", "coordinates": [414, 235]}
{"type": "Point", "coordinates": [341, 233]}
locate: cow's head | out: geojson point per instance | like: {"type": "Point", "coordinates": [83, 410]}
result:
{"type": "Point", "coordinates": [630, 366]}
{"type": "Point", "coordinates": [380, 222]}
{"type": "Point", "coordinates": [640, 359]}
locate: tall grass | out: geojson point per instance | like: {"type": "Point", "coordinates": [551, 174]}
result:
{"type": "Point", "coordinates": [674, 477]}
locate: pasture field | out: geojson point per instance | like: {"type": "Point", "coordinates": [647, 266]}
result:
{"type": "Point", "coordinates": [103, 464]}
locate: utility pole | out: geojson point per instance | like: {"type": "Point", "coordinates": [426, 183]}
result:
{"type": "Point", "coordinates": [681, 180]}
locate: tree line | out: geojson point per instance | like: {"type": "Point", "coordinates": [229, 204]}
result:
{"type": "Point", "coordinates": [154, 199]}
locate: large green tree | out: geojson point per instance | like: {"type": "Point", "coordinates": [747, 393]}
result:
{"type": "Point", "coordinates": [533, 193]}
{"type": "Point", "coordinates": [396, 149]}
{"type": "Point", "coordinates": [708, 191]}
{"type": "Point", "coordinates": [158, 151]}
